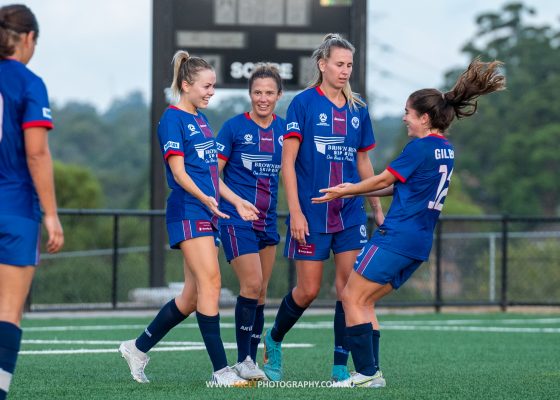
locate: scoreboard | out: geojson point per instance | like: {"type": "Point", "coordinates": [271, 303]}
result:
{"type": "Point", "coordinates": [233, 35]}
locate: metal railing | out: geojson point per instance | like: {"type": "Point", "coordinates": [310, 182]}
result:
{"type": "Point", "coordinates": [472, 263]}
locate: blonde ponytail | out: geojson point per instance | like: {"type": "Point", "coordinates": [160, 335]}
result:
{"type": "Point", "coordinates": [185, 68]}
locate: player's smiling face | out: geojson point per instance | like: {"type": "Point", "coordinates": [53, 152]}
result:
{"type": "Point", "coordinates": [336, 70]}
{"type": "Point", "coordinates": [415, 123]}
{"type": "Point", "coordinates": [203, 87]}
{"type": "Point", "coordinates": [264, 96]}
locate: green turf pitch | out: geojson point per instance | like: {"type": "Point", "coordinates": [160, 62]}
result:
{"type": "Point", "coordinates": [429, 356]}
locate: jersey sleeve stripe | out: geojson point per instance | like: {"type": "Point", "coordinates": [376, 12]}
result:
{"type": "Point", "coordinates": [396, 174]}
{"type": "Point", "coordinates": [368, 148]}
{"type": "Point", "coordinates": [293, 134]}
{"type": "Point", "coordinates": [173, 153]}
{"type": "Point", "coordinates": [222, 157]}
{"type": "Point", "coordinates": [37, 124]}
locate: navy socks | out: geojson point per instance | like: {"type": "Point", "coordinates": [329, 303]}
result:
{"type": "Point", "coordinates": [340, 349]}
{"type": "Point", "coordinates": [168, 317]}
{"type": "Point", "coordinates": [210, 330]}
{"type": "Point", "coordinates": [245, 310]}
{"type": "Point", "coordinates": [258, 326]}
{"type": "Point", "coordinates": [10, 339]}
{"type": "Point", "coordinates": [288, 314]}
{"type": "Point", "coordinates": [375, 343]}
{"type": "Point", "coordinates": [360, 343]}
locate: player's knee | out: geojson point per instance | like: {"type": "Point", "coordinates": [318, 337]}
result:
{"type": "Point", "coordinates": [251, 288]}
{"type": "Point", "coordinates": [309, 293]}
{"type": "Point", "coordinates": [346, 296]}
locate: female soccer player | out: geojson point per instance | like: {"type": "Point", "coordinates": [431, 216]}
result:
{"type": "Point", "coordinates": [327, 137]}
{"type": "Point", "coordinates": [26, 178]}
{"type": "Point", "coordinates": [249, 152]}
{"type": "Point", "coordinates": [421, 176]}
{"type": "Point", "coordinates": [189, 149]}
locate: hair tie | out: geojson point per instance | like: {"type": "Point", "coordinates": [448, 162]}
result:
{"type": "Point", "coordinates": [2, 24]}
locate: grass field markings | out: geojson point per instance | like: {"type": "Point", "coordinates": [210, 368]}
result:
{"type": "Point", "coordinates": [519, 321]}
{"type": "Point", "coordinates": [412, 324]}
{"type": "Point", "coordinates": [194, 347]}
{"type": "Point", "coordinates": [99, 342]}
{"type": "Point", "coordinates": [499, 329]}
{"type": "Point", "coordinates": [301, 325]}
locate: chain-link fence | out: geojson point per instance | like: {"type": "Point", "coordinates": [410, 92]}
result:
{"type": "Point", "coordinates": [489, 260]}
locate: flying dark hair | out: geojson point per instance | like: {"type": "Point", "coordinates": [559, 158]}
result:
{"type": "Point", "coordinates": [479, 79]}
{"type": "Point", "coordinates": [14, 20]}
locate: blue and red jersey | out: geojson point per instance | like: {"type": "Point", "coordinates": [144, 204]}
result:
{"type": "Point", "coordinates": [254, 157]}
{"type": "Point", "coordinates": [423, 172]}
{"type": "Point", "coordinates": [330, 138]}
{"type": "Point", "coordinates": [24, 104]}
{"type": "Point", "coordinates": [184, 134]}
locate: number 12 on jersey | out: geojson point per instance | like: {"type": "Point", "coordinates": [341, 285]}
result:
{"type": "Point", "coordinates": [441, 192]}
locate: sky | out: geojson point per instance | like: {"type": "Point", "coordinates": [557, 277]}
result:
{"type": "Point", "coordinates": [96, 51]}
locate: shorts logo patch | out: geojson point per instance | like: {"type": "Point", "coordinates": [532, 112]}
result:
{"type": "Point", "coordinates": [306, 249]}
{"type": "Point", "coordinates": [203, 226]}
{"type": "Point", "coordinates": [363, 230]}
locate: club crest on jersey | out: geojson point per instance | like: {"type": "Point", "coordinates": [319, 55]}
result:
{"type": "Point", "coordinates": [355, 122]}
{"type": "Point", "coordinates": [363, 230]}
{"type": "Point", "coordinates": [323, 120]}
{"type": "Point", "coordinates": [281, 140]}
{"type": "Point", "coordinates": [292, 125]}
{"type": "Point", "coordinates": [248, 139]}
{"type": "Point", "coordinates": [47, 113]}
{"type": "Point", "coordinates": [170, 145]}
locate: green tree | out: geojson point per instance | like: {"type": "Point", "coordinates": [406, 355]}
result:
{"type": "Point", "coordinates": [76, 187]}
{"type": "Point", "coordinates": [506, 155]}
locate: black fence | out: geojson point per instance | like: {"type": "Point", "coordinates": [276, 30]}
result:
{"type": "Point", "coordinates": [476, 261]}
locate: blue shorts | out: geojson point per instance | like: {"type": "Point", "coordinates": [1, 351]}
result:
{"type": "Point", "coordinates": [189, 229]}
{"type": "Point", "coordinates": [318, 245]}
{"type": "Point", "coordinates": [239, 240]}
{"type": "Point", "coordinates": [19, 241]}
{"type": "Point", "coordinates": [383, 266]}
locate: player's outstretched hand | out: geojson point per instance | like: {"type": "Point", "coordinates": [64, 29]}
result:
{"type": "Point", "coordinates": [247, 211]}
{"type": "Point", "coordinates": [212, 204]}
{"type": "Point", "coordinates": [54, 232]}
{"type": "Point", "coordinates": [332, 193]}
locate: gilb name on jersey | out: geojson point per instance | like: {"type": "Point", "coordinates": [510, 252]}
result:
{"type": "Point", "coordinates": [444, 153]}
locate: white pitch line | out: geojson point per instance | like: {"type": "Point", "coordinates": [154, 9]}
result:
{"type": "Point", "coordinates": [301, 325]}
{"type": "Point", "coordinates": [100, 342]}
{"type": "Point", "coordinates": [198, 346]}
{"type": "Point", "coordinates": [499, 329]}
{"type": "Point", "coordinates": [476, 321]}
{"type": "Point", "coordinates": [393, 325]}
